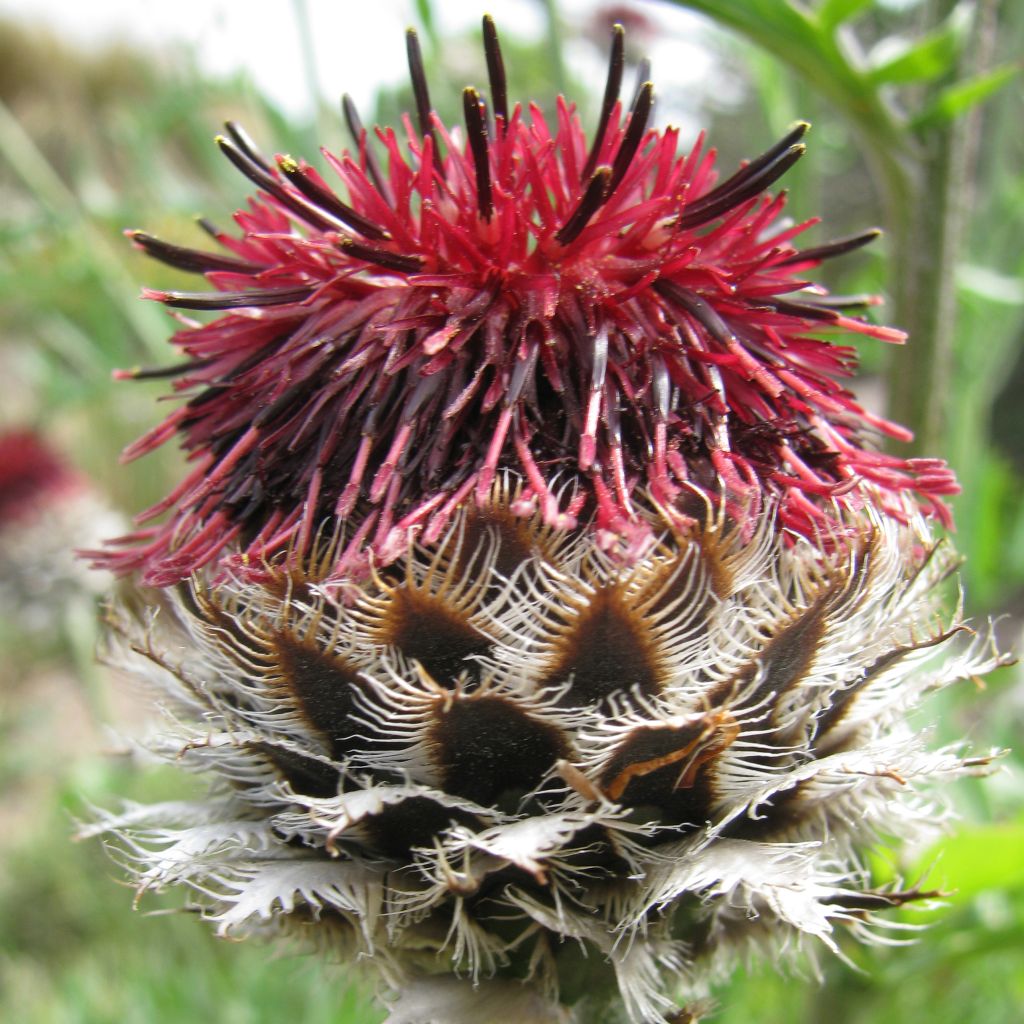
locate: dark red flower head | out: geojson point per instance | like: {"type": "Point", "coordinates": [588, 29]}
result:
{"type": "Point", "coordinates": [32, 476]}
{"type": "Point", "coordinates": [602, 320]}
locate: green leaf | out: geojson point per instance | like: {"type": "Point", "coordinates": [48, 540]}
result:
{"type": "Point", "coordinates": [925, 59]}
{"type": "Point", "coordinates": [773, 24]}
{"type": "Point", "coordinates": [425, 12]}
{"type": "Point", "coordinates": [792, 32]}
{"type": "Point", "coordinates": [832, 13]}
{"type": "Point", "coordinates": [956, 99]}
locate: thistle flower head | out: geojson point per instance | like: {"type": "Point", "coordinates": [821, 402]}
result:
{"type": "Point", "coordinates": [564, 616]}
{"type": "Point", "coordinates": [31, 476]}
{"type": "Point", "coordinates": [596, 314]}
{"type": "Point", "coordinates": [488, 787]}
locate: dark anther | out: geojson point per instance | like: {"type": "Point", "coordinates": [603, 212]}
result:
{"type": "Point", "coordinates": [328, 201]}
{"type": "Point", "coordinates": [790, 139]}
{"type": "Point", "coordinates": [839, 247]}
{"type": "Point", "coordinates": [209, 227]}
{"type": "Point", "coordinates": [252, 169]}
{"type": "Point", "coordinates": [756, 165]}
{"type": "Point", "coordinates": [522, 373]}
{"type": "Point", "coordinates": [616, 63]}
{"type": "Point", "coordinates": [698, 308]}
{"type": "Point", "coordinates": [748, 181]}
{"type": "Point", "coordinates": [838, 303]}
{"type": "Point", "coordinates": [265, 180]}
{"type": "Point", "coordinates": [643, 76]}
{"type": "Point", "coordinates": [194, 260]}
{"type": "Point", "coordinates": [476, 132]}
{"type": "Point", "coordinates": [806, 310]}
{"type": "Point", "coordinates": [595, 194]}
{"type": "Point", "coordinates": [693, 217]}
{"type": "Point", "coordinates": [358, 133]}
{"type": "Point", "coordinates": [234, 300]}
{"type": "Point", "coordinates": [162, 372]}
{"type": "Point", "coordinates": [286, 403]}
{"type": "Point", "coordinates": [422, 94]}
{"type": "Point", "coordinates": [381, 257]}
{"type": "Point", "coordinates": [495, 70]}
{"type": "Point", "coordinates": [241, 139]}
{"type": "Point", "coordinates": [638, 118]}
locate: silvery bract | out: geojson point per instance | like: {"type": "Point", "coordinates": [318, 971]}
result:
{"type": "Point", "coordinates": [508, 758]}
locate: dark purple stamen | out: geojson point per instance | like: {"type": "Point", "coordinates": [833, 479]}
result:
{"type": "Point", "coordinates": [495, 70]}
{"type": "Point", "coordinates": [747, 181]}
{"type": "Point", "coordinates": [643, 75]}
{"type": "Point", "coordinates": [209, 227]}
{"type": "Point", "coordinates": [163, 372]}
{"type": "Point", "coordinates": [381, 257]}
{"type": "Point", "coordinates": [359, 134]}
{"type": "Point", "coordinates": [839, 247]}
{"type": "Point", "coordinates": [698, 308]}
{"type": "Point", "coordinates": [738, 189]}
{"type": "Point", "coordinates": [193, 260]}
{"type": "Point", "coordinates": [638, 118]}
{"type": "Point", "coordinates": [476, 132]}
{"type": "Point", "coordinates": [241, 139]}
{"type": "Point", "coordinates": [806, 310]}
{"type": "Point", "coordinates": [328, 201]}
{"type": "Point", "coordinates": [616, 63]}
{"type": "Point", "coordinates": [594, 196]}
{"type": "Point", "coordinates": [421, 94]}
{"type": "Point", "coordinates": [266, 181]}
{"type": "Point", "coordinates": [231, 300]}
{"type": "Point", "coordinates": [841, 302]}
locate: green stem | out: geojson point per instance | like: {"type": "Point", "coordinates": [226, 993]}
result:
{"type": "Point", "coordinates": [922, 235]}
{"type": "Point", "coordinates": [926, 212]}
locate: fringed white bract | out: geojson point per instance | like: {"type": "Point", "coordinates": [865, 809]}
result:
{"type": "Point", "coordinates": [510, 753]}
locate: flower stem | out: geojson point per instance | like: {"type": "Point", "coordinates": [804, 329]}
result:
{"type": "Point", "coordinates": [928, 202]}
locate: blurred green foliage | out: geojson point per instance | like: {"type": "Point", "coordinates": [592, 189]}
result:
{"type": "Point", "coordinates": [91, 144]}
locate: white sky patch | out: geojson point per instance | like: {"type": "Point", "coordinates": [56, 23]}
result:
{"type": "Point", "coordinates": [359, 45]}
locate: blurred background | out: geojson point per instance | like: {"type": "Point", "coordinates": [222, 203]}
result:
{"type": "Point", "coordinates": [107, 115]}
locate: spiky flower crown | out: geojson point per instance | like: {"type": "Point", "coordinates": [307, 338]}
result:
{"type": "Point", "coordinates": [601, 318]}
{"type": "Point", "coordinates": [510, 753]}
